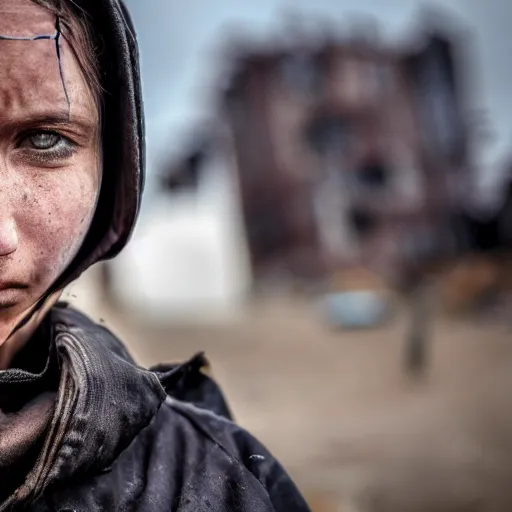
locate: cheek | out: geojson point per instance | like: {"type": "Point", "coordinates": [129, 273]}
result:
{"type": "Point", "coordinates": [59, 210]}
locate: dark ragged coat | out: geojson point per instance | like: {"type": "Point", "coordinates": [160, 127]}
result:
{"type": "Point", "coordinates": [123, 438]}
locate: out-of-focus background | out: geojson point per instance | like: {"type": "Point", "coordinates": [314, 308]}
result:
{"type": "Point", "coordinates": [329, 217]}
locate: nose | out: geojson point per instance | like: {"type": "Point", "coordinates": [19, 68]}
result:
{"type": "Point", "coordinates": [8, 236]}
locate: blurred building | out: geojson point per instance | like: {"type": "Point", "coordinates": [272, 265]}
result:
{"type": "Point", "coordinates": [346, 152]}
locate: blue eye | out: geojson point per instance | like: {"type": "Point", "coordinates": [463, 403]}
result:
{"type": "Point", "coordinates": [44, 140]}
{"type": "Point", "coordinates": [43, 147]}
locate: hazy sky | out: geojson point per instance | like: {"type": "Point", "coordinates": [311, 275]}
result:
{"type": "Point", "coordinates": [177, 39]}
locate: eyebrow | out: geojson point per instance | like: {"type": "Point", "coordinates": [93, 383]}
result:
{"type": "Point", "coordinates": [53, 118]}
{"type": "Point", "coordinates": [50, 119]}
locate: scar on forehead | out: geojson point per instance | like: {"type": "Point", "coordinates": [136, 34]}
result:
{"type": "Point", "coordinates": [55, 37]}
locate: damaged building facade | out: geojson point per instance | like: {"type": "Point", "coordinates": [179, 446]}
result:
{"type": "Point", "coordinates": [346, 153]}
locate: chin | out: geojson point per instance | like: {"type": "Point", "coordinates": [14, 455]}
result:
{"type": "Point", "coordinates": [12, 298]}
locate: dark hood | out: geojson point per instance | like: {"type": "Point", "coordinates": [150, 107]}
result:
{"type": "Point", "coordinates": [122, 134]}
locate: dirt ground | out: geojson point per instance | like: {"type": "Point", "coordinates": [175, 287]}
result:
{"type": "Point", "coordinates": [337, 409]}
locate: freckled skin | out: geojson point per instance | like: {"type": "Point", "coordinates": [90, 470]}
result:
{"type": "Point", "coordinates": [46, 204]}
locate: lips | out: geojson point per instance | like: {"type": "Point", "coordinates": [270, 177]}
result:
{"type": "Point", "coordinates": [12, 285]}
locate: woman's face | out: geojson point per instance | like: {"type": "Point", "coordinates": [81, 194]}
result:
{"type": "Point", "coordinates": [49, 158]}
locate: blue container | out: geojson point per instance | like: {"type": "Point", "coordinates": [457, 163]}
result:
{"type": "Point", "coordinates": [355, 309]}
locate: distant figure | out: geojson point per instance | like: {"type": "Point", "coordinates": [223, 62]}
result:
{"type": "Point", "coordinates": [418, 334]}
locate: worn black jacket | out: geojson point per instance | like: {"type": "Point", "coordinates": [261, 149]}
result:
{"type": "Point", "coordinates": [122, 438]}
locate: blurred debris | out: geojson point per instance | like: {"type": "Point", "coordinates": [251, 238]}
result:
{"type": "Point", "coordinates": [357, 298]}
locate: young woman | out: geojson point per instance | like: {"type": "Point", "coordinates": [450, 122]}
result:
{"type": "Point", "coordinates": [82, 427]}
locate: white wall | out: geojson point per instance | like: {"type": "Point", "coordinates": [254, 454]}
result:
{"type": "Point", "coordinates": [187, 259]}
